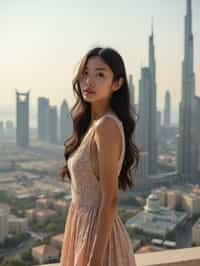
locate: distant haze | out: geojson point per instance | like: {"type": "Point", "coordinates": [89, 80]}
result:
{"type": "Point", "coordinates": [42, 42]}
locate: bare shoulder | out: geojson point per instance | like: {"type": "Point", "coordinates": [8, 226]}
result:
{"type": "Point", "coordinates": [108, 131]}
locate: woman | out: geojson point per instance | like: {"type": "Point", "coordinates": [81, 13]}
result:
{"type": "Point", "coordinates": [99, 156]}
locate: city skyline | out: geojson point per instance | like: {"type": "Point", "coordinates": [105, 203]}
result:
{"type": "Point", "coordinates": [38, 56]}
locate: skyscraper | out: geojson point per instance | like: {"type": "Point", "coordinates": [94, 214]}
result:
{"type": "Point", "coordinates": [65, 127]}
{"type": "Point", "coordinates": [131, 89]}
{"type": "Point", "coordinates": [22, 119]}
{"type": "Point", "coordinates": [184, 162]}
{"type": "Point", "coordinates": [167, 109]}
{"type": "Point", "coordinates": [43, 108]}
{"type": "Point", "coordinates": [147, 123]}
{"type": "Point", "coordinates": [152, 108]}
{"type": "Point", "coordinates": [158, 124]}
{"type": "Point", "coordinates": [143, 125]}
{"type": "Point", "coordinates": [195, 137]}
{"type": "Point", "coordinates": [52, 125]}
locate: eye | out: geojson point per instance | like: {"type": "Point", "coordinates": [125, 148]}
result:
{"type": "Point", "coordinates": [100, 74]}
{"type": "Point", "coordinates": [85, 73]}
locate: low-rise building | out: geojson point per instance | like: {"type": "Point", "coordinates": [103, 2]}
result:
{"type": "Point", "coordinates": [61, 206]}
{"type": "Point", "coordinates": [174, 199]}
{"type": "Point", "coordinates": [45, 254]}
{"type": "Point", "coordinates": [30, 214]}
{"type": "Point", "coordinates": [162, 195]}
{"type": "Point", "coordinates": [46, 203]}
{"type": "Point", "coordinates": [191, 203]}
{"type": "Point", "coordinates": [17, 224]}
{"type": "Point", "coordinates": [170, 198]}
{"type": "Point", "coordinates": [41, 216]}
{"type": "Point", "coordinates": [57, 241]}
{"type": "Point", "coordinates": [156, 220]}
{"type": "Point", "coordinates": [4, 213]}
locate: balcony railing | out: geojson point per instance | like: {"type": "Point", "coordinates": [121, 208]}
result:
{"type": "Point", "coordinates": [176, 257]}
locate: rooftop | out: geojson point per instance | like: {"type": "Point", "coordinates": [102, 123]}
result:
{"type": "Point", "coordinates": [45, 249]}
{"type": "Point", "coordinates": [58, 237]}
{"type": "Point", "coordinates": [156, 222]}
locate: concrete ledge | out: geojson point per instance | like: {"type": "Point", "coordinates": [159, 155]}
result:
{"type": "Point", "coordinates": [175, 257]}
{"type": "Point", "coordinates": [52, 264]}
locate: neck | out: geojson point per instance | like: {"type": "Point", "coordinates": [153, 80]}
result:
{"type": "Point", "coordinates": [97, 113]}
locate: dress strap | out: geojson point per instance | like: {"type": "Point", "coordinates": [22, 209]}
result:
{"type": "Point", "coordinates": [120, 125]}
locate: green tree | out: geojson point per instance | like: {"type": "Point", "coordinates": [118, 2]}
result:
{"type": "Point", "coordinates": [51, 227]}
{"type": "Point", "coordinates": [169, 235]}
{"type": "Point", "coordinates": [26, 255]}
{"type": "Point", "coordinates": [13, 262]}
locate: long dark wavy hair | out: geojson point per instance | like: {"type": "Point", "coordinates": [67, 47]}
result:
{"type": "Point", "coordinates": [119, 103]}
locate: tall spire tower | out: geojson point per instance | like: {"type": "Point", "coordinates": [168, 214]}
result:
{"type": "Point", "coordinates": [184, 162]}
{"type": "Point", "coordinates": [152, 107]}
{"type": "Point", "coordinates": [147, 126]}
{"type": "Point", "coordinates": [188, 82]}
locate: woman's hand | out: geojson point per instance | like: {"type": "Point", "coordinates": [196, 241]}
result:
{"type": "Point", "coordinates": [62, 173]}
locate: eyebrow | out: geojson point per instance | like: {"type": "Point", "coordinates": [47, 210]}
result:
{"type": "Point", "coordinates": [98, 68]}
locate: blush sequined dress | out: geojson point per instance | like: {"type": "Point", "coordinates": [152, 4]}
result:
{"type": "Point", "coordinates": [82, 214]}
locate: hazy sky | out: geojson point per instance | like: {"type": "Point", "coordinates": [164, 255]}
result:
{"type": "Point", "coordinates": [42, 42]}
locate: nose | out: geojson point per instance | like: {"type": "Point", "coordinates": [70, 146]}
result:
{"type": "Point", "coordinates": [89, 81]}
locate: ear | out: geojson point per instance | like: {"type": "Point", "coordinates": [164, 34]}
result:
{"type": "Point", "coordinates": [118, 84]}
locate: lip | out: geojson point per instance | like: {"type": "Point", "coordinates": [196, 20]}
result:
{"type": "Point", "coordinates": [88, 91]}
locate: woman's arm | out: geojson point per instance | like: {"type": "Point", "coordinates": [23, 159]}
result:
{"type": "Point", "coordinates": [109, 145]}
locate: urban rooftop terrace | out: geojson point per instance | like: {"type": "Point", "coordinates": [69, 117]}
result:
{"type": "Point", "coordinates": [175, 257]}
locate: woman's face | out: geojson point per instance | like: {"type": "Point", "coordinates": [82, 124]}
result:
{"type": "Point", "coordinates": [96, 80]}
